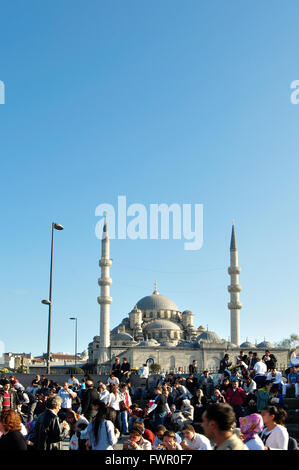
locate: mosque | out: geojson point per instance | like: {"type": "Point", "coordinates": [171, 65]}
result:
{"type": "Point", "coordinates": [158, 332]}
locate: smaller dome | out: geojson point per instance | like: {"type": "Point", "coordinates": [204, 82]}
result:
{"type": "Point", "coordinates": [265, 345]}
{"type": "Point", "coordinates": [148, 343]}
{"type": "Point", "coordinates": [122, 337]}
{"type": "Point", "coordinates": [232, 345]}
{"type": "Point", "coordinates": [187, 312]}
{"type": "Point", "coordinates": [169, 344]}
{"type": "Point", "coordinates": [162, 325]}
{"type": "Point", "coordinates": [136, 310]}
{"type": "Point", "coordinates": [186, 344]}
{"type": "Point", "coordinates": [209, 337]}
{"type": "Point", "coordinates": [247, 345]}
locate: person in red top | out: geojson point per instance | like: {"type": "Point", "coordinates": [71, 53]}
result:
{"type": "Point", "coordinates": [146, 433]}
{"type": "Point", "coordinates": [236, 397]}
{"type": "Point", "coordinates": [8, 398]}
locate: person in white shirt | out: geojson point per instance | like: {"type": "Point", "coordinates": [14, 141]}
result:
{"type": "Point", "coordinates": [67, 396]}
{"type": "Point", "coordinates": [274, 376]}
{"type": "Point", "coordinates": [143, 371]}
{"type": "Point", "coordinates": [275, 435]}
{"type": "Point", "coordinates": [112, 380]}
{"type": "Point", "coordinates": [73, 381]}
{"type": "Point", "coordinates": [260, 367]}
{"type": "Point", "coordinates": [104, 394]}
{"type": "Point", "coordinates": [193, 440]}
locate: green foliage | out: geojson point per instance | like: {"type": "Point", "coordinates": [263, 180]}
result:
{"type": "Point", "coordinates": [291, 343]}
{"type": "Point", "coordinates": [155, 368]}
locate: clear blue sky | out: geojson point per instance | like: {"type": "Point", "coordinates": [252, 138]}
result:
{"type": "Point", "coordinates": [185, 102]}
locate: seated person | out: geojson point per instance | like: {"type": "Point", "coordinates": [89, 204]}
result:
{"type": "Point", "coordinates": [137, 415]}
{"type": "Point", "coordinates": [183, 416]}
{"type": "Point", "coordinates": [293, 382]}
{"type": "Point", "coordinates": [170, 441]}
{"type": "Point", "coordinates": [193, 440]}
{"type": "Point", "coordinates": [276, 398]}
{"type": "Point", "coordinates": [136, 441]}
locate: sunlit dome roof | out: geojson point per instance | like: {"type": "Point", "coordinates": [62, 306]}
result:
{"type": "Point", "coordinates": [209, 337]}
{"type": "Point", "coordinates": [162, 325]}
{"type": "Point", "coordinates": [156, 302]}
{"type": "Point", "coordinates": [266, 345]}
{"type": "Point", "coordinates": [148, 343]}
{"type": "Point", "coordinates": [247, 345]}
{"type": "Point", "coordinates": [122, 337]}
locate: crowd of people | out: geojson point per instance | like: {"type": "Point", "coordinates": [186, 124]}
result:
{"type": "Point", "coordinates": [241, 409]}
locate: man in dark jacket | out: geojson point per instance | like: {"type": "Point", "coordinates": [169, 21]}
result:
{"type": "Point", "coordinates": [125, 370]}
{"type": "Point", "coordinates": [270, 360]}
{"type": "Point", "coordinates": [48, 431]}
{"type": "Point", "coordinates": [224, 363]}
{"type": "Point", "coordinates": [88, 396]}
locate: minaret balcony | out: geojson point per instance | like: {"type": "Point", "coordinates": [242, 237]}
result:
{"type": "Point", "coordinates": [105, 262]}
{"type": "Point", "coordinates": [104, 299]}
{"type": "Point", "coordinates": [234, 288]}
{"type": "Point", "coordinates": [234, 270]}
{"type": "Point", "coordinates": [106, 281]}
{"type": "Point", "coordinates": [235, 305]}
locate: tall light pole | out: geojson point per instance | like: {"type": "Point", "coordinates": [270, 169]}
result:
{"type": "Point", "coordinates": [76, 335]}
{"type": "Point", "coordinates": [49, 302]}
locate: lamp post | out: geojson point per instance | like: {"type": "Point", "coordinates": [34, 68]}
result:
{"type": "Point", "coordinates": [49, 302]}
{"type": "Point", "coordinates": [76, 335]}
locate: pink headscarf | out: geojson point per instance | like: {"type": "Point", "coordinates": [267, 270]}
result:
{"type": "Point", "coordinates": [251, 425]}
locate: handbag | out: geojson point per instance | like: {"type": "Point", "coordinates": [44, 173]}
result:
{"type": "Point", "coordinates": [122, 405]}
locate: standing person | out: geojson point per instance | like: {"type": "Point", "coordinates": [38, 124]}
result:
{"type": "Point", "coordinates": [104, 395]}
{"type": "Point", "coordinates": [124, 404]}
{"type": "Point", "coordinates": [67, 396]}
{"type": "Point", "coordinates": [73, 382]}
{"type": "Point", "coordinates": [144, 373]}
{"type": "Point", "coordinates": [100, 433]}
{"type": "Point", "coordinates": [218, 422]}
{"type": "Point", "coordinates": [193, 367]}
{"type": "Point", "coordinates": [48, 431]}
{"type": "Point", "coordinates": [158, 408]}
{"type": "Point", "coordinates": [224, 364]}
{"type": "Point", "coordinates": [269, 359]}
{"type": "Point", "coordinates": [260, 370]}
{"type": "Point", "coordinates": [206, 384]}
{"type": "Point", "coordinates": [251, 362]}
{"type": "Point", "coordinates": [113, 406]}
{"type": "Point", "coordinates": [275, 434]}
{"type": "Point", "coordinates": [116, 368]}
{"type": "Point", "coordinates": [125, 370]}
{"type": "Point", "coordinates": [10, 427]}
{"type": "Point", "coordinates": [88, 396]}
{"type": "Point", "coordinates": [236, 397]}
{"type": "Point", "coordinates": [8, 398]}
{"type": "Point", "coordinates": [250, 427]}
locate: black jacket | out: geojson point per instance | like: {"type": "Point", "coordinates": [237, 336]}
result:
{"type": "Point", "coordinates": [48, 432]}
{"type": "Point", "coordinates": [88, 396]}
{"type": "Point", "coordinates": [13, 440]}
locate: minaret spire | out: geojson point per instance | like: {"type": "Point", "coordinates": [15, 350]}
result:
{"type": "Point", "coordinates": [104, 299]}
{"type": "Point", "coordinates": [234, 289]}
{"type": "Point", "coordinates": [156, 289]}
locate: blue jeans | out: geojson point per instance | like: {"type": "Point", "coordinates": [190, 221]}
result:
{"type": "Point", "coordinates": [124, 421]}
{"type": "Point", "coordinates": [159, 418]}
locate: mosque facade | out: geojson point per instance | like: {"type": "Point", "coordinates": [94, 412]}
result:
{"type": "Point", "coordinates": [155, 330]}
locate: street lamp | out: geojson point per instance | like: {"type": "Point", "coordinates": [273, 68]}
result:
{"type": "Point", "coordinates": [49, 301]}
{"type": "Point", "coordinates": [76, 335]}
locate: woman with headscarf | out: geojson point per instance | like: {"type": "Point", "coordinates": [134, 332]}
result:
{"type": "Point", "coordinates": [250, 427]}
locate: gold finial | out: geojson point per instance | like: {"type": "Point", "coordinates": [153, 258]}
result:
{"type": "Point", "coordinates": [156, 289]}
{"type": "Point", "coordinates": [233, 222]}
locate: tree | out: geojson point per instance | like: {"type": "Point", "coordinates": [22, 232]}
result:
{"type": "Point", "coordinates": [291, 343]}
{"type": "Point", "coordinates": [155, 368]}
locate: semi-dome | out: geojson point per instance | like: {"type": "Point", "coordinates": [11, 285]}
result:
{"type": "Point", "coordinates": [156, 302]}
{"type": "Point", "coordinates": [265, 345]}
{"type": "Point", "coordinates": [148, 343]}
{"type": "Point", "coordinates": [187, 312]}
{"type": "Point", "coordinates": [247, 345]}
{"type": "Point", "coordinates": [209, 337]}
{"type": "Point", "coordinates": [122, 336]}
{"type": "Point", "coordinates": [162, 325]}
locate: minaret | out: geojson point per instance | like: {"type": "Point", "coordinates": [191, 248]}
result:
{"type": "Point", "coordinates": [104, 299]}
{"type": "Point", "coordinates": [234, 289]}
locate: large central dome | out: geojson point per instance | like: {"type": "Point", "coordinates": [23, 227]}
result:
{"type": "Point", "coordinates": [156, 302]}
